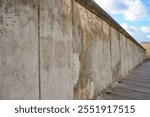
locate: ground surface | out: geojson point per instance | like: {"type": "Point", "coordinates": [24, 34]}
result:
{"type": "Point", "coordinates": [136, 86]}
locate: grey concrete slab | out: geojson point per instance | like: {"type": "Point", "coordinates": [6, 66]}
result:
{"type": "Point", "coordinates": [130, 93]}
{"type": "Point", "coordinates": [56, 52]}
{"type": "Point", "coordinates": [137, 80]}
{"type": "Point", "coordinates": [138, 77]}
{"type": "Point", "coordinates": [136, 83]}
{"type": "Point", "coordinates": [115, 97]}
{"type": "Point", "coordinates": [19, 72]}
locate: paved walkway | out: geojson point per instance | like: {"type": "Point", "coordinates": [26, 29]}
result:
{"type": "Point", "coordinates": [136, 86]}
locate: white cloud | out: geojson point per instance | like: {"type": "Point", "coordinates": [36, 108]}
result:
{"type": "Point", "coordinates": [136, 10]}
{"type": "Point", "coordinates": [145, 29]}
{"type": "Point", "coordinates": [132, 10]}
{"type": "Point", "coordinates": [139, 33]}
{"type": "Point", "coordinates": [111, 6]}
{"type": "Point", "coordinates": [148, 36]}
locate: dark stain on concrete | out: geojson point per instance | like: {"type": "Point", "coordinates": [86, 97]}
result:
{"type": "Point", "coordinates": [85, 50]}
{"type": "Point", "coordinates": [116, 72]}
{"type": "Point", "coordinates": [1, 19]}
{"type": "Point", "coordinates": [1, 3]}
{"type": "Point", "coordinates": [30, 3]}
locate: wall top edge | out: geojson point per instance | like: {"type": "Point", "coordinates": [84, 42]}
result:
{"type": "Point", "coordinates": [97, 10]}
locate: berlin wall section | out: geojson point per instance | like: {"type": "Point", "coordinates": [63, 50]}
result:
{"type": "Point", "coordinates": [56, 52]}
{"type": "Point", "coordinates": [19, 49]}
{"type": "Point", "coordinates": [61, 49]}
{"type": "Point", "coordinates": [104, 52]}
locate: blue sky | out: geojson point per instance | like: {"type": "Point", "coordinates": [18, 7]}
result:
{"type": "Point", "coordinates": [132, 15]}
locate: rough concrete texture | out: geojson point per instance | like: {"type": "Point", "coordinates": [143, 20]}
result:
{"type": "Point", "coordinates": [115, 54]}
{"type": "Point", "coordinates": [92, 45]}
{"type": "Point", "coordinates": [58, 49]}
{"type": "Point", "coordinates": [146, 45]}
{"type": "Point", "coordinates": [56, 52]}
{"type": "Point", "coordinates": [105, 55]}
{"type": "Point", "coordinates": [18, 50]}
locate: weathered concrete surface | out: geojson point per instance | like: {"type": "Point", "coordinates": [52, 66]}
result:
{"type": "Point", "coordinates": [146, 45]}
{"type": "Point", "coordinates": [61, 49]}
{"type": "Point", "coordinates": [56, 52]}
{"type": "Point", "coordinates": [92, 46]}
{"type": "Point", "coordinates": [136, 86]}
{"type": "Point", "coordinates": [18, 49]}
{"type": "Point", "coordinates": [115, 54]}
{"type": "Point", "coordinates": [105, 54]}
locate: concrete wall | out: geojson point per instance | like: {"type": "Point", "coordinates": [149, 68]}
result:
{"type": "Point", "coordinates": [104, 51]}
{"type": "Point", "coordinates": [36, 54]}
{"type": "Point", "coordinates": [61, 49]}
{"type": "Point", "coordinates": [56, 52]}
{"type": "Point", "coordinates": [146, 45]}
{"type": "Point", "coordinates": [19, 49]}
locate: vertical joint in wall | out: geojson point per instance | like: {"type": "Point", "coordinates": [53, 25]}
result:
{"type": "Point", "coordinates": [39, 62]}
